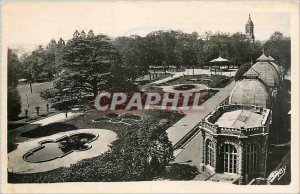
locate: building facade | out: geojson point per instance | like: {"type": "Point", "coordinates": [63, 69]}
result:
{"type": "Point", "coordinates": [235, 141]}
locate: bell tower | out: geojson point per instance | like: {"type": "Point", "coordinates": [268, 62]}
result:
{"type": "Point", "coordinates": [250, 30]}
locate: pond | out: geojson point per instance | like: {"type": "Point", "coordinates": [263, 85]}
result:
{"type": "Point", "coordinates": [53, 149]}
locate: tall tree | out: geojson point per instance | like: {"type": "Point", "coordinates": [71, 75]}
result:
{"type": "Point", "coordinates": [49, 57]}
{"type": "Point", "coordinates": [133, 52]}
{"type": "Point", "coordinates": [12, 69]}
{"type": "Point", "coordinates": [85, 63]}
{"type": "Point", "coordinates": [279, 47]}
{"type": "Point", "coordinates": [13, 103]}
{"type": "Point", "coordinates": [13, 97]}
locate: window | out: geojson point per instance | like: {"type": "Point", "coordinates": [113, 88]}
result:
{"type": "Point", "coordinates": [229, 158]}
{"type": "Point", "coordinates": [210, 153]}
{"type": "Point", "coordinates": [251, 158]}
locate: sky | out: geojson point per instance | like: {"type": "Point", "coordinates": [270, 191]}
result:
{"type": "Point", "coordinates": [38, 23]}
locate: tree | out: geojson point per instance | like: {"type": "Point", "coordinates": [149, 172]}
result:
{"type": "Point", "coordinates": [13, 103]}
{"type": "Point", "coordinates": [58, 56]}
{"type": "Point", "coordinates": [241, 71]}
{"type": "Point", "coordinates": [13, 97]}
{"type": "Point", "coordinates": [49, 57]}
{"type": "Point", "coordinates": [279, 47]}
{"type": "Point", "coordinates": [146, 151]}
{"type": "Point", "coordinates": [40, 64]}
{"type": "Point", "coordinates": [85, 62]}
{"type": "Point", "coordinates": [133, 52]}
{"type": "Point", "coordinates": [12, 69]}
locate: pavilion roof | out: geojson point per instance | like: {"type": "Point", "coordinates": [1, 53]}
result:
{"type": "Point", "coordinates": [218, 60]}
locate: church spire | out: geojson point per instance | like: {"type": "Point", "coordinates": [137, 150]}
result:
{"type": "Point", "coordinates": [249, 28]}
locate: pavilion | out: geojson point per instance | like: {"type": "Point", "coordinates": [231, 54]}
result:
{"type": "Point", "coordinates": [220, 62]}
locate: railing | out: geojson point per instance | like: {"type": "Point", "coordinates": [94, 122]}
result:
{"type": "Point", "coordinates": [182, 142]}
{"type": "Point", "coordinates": [232, 130]}
{"type": "Point", "coordinates": [226, 108]}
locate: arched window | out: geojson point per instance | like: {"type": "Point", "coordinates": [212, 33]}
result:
{"type": "Point", "coordinates": [210, 153]}
{"type": "Point", "coordinates": [251, 157]}
{"type": "Point", "coordinates": [229, 158]}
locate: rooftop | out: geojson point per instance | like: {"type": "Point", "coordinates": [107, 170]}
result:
{"type": "Point", "coordinates": [240, 118]}
{"type": "Point", "coordinates": [267, 73]}
{"type": "Point", "coordinates": [263, 57]}
{"type": "Point", "coordinates": [270, 58]}
{"type": "Point", "coordinates": [219, 59]}
{"type": "Point", "coordinates": [250, 92]}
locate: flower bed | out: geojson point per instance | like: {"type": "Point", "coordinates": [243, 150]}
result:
{"type": "Point", "coordinates": [184, 87]}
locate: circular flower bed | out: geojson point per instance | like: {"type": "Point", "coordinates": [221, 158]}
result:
{"type": "Point", "coordinates": [184, 87]}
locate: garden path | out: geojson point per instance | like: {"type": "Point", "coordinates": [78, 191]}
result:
{"type": "Point", "coordinates": [56, 118]}
{"type": "Point", "coordinates": [193, 117]}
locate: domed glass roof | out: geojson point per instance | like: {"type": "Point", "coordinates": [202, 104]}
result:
{"type": "Point", "coordinates": [270, 58]}
{"type": "Point", "coordinates": [263, 57]}
{"type": "Point", "coordinates": [267, 73]}
{"type": "Point", "coordinates": [277, 67]}
{"type": "Point", "coordinates": [250, 92]}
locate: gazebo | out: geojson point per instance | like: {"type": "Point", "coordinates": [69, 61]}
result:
{"type": "Point", "coordinates": [219, 62]}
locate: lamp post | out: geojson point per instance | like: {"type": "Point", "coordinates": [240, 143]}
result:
{"type": "Point", "coordinates": [27, 101]}
{"type": "Point", "coordinates": [37, 110]}
{"type": "Point", "coordinates": [30, 84]}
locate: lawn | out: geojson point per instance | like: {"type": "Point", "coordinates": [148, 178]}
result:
{"type": "Point", "coordinates": [30, 131]}
{"type": "Point", "coordinates": [33, 99]}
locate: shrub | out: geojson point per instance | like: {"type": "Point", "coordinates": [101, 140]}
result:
{"type": "Point", "coordinates": [47, 94]}
{"type": "Point", "coordinates": [13, 103]}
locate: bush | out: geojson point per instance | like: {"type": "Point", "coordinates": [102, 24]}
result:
{"type": "Point", "coordinates": [47, 94]}
{"type": "Point", "coordinates": [13, 103]}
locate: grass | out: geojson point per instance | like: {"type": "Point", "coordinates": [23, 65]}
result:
{"type": "Point", "coordinates": [34, 98]}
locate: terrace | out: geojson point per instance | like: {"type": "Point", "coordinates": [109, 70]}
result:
{"type": "Point", "coordinates": [237, 120]}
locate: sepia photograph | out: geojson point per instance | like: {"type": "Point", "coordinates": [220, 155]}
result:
{"type": "Point", "coordinates": [134, 93]}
